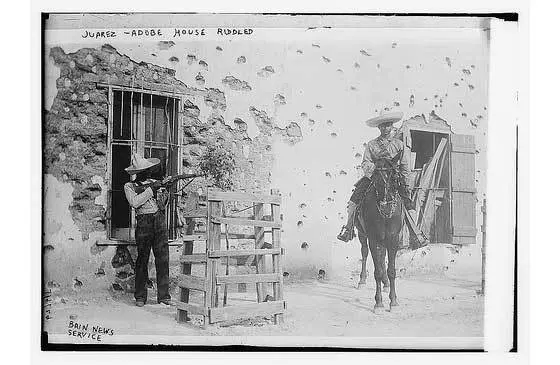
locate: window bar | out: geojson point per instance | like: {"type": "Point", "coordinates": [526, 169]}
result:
{"type": "Point", "coordinates": [132, 120]}
{"type": "Point", "coordinates": [141, 125]}
{"type": "Point", "coordinates": [170, 162]}
{"type": "Point", "coordinates": [151, 122]}
{"type": "Point", "coordinates": [132, 147]}
{"type": "Point", "coordinates": [154, 125]}
{"type": "Point", "coordinates": [109, 173]}
{"type": "Point", "coordinates": [122, 110]}
{"type": "Point", "coordinates": [142, 121]}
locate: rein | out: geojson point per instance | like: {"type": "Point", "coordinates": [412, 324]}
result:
{"type": "Point", "coordinates": [386, 208]}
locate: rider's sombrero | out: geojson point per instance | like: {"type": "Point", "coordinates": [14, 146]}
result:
{"type": "Point", "coordinates": [384, 118]}
{"type": "Point", "coordinates": [140, 163]}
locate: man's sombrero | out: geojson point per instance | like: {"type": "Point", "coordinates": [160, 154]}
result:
{"type": "Point", "coordinates": [140, 163]}
{"type": "Point", "coordinates": [384, 118]}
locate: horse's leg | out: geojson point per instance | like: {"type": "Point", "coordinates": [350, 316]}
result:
{"type": "Point", "coordinates": [391, 272]}
{"type": "Point", "coordinates": [378, 253]}
{"type": "Point", "coordinates": [365, 250]}
{"type": "Point", "coordinates": [385, 277]}
{"type": "Point", "coordinates": [393, 234]}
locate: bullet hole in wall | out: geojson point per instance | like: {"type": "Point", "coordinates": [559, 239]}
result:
{"type": "Point", "coordinates": [47, 248]}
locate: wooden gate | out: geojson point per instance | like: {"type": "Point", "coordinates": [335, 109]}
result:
{"type": "Point", "coordinates": [218, 250]}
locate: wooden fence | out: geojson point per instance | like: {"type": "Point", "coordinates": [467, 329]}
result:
{"type": "Point", "coordinates": [218, 250]}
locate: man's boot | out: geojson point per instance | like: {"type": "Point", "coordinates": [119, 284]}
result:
{"type": "Point", "coordinates": [347, 232]}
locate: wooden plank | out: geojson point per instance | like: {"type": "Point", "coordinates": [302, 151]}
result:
{"type": "Point", "coordinates": [483, 248]}
{"type": "Point", "coordinates": [258, 213]}
{"type": "Point", "coordinates": [218, 195]}
{"type": "Point", "coordinates": [184, 293]}
{"type": "Point", "coordinates": [463, 240]}
{"type": "Point", "coordinates": [193, 258]}
{"type": "Point", "coordinates": [277, 287]}
{"type": "Point", "coordinates": [192, 309]}
{"type": "Point", "coordinates": [194, 237]}
{"type": "Point", "coordinates": [248, 278]}
{"type": "Point", "coordinates": [428, 214]}
{"type": "Point", "coordinates": [233, 236]}
{"type": "Point", "coordinates": [463, 143]}
{"type": "Point", "coordinates": [467, 231]}
{"type": "Point", "coordinates": [108, 242]}
{"type": "Point", "coordinates": [144, 86]}
{"type": "Point", "coordinates": [245, 222]}
{"type": "Point", "coordinates": [213, 244]}
{"type": "Point", "coordinates": [192, 282]}
{"type": "Point", "coordinates": [246, 311]}
{"type": "Point", "coordinates": [413, 228]}
{"type": "Point", "coordinates": [196, 213]}
{"type": "Point", "coordinates": [463, 172]}
{"type": "Point", "coordinates": [231, 253]}
{"type": "Point", "coordinates": [463, 213]}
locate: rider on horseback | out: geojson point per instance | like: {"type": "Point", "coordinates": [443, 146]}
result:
{"type": "Point", "coordinates": [378, 153]}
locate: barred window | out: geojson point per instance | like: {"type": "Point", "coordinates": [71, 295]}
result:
{"type": "Point", "coordinates": [146, 123]}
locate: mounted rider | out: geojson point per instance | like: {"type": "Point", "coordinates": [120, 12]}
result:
{"type": "Point", "coordinates": [380, 152]}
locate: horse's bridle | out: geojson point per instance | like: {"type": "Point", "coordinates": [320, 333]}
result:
{"type": "Point", "coordinates": [386, 208]}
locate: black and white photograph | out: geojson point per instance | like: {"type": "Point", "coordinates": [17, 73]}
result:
{"type": "Point", "coordinates": [280, 180]}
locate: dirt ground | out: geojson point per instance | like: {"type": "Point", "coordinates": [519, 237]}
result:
{"type": "Point", "coordinates": [429, 307]}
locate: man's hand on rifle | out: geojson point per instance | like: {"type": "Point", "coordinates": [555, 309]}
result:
{"type": "Point", "coordinates": [155, 186]}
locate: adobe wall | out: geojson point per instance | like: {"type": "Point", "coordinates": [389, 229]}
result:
{"type": "Point", "coordinates": [75, 159]}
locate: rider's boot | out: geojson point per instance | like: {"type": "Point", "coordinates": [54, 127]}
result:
{"type": "Point", "coordinates": [347, 232]}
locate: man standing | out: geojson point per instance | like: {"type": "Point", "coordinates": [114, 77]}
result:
{"type": "Point", "coordinates": [151, 227]}
{"type": "Point", "coordinates": [384, 147]}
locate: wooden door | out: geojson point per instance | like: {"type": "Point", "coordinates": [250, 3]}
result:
{"type": "Point", "coordinates": [463, 191]}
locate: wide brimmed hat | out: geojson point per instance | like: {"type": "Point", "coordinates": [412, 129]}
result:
{"type": "Point", "coordinates": [140, 163]}
{"type": "Point", "coordinates": [384, 118]}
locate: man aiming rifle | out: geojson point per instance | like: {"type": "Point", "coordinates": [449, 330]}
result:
{"type": "Point", "coordinates": [149, 198]}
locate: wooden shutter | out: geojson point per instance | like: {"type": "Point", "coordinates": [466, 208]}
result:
{"type": "Point", "coordinates": [463, 191]}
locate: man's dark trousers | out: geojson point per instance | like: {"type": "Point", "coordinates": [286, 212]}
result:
{"type": "Point", "coordinates": [151, 234]}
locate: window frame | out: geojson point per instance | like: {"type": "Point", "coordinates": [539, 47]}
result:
{"type": "Point", "coordinates": [176, 96]}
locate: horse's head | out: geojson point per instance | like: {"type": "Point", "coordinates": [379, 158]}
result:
{"type": "Point", "coordinates": [385, 185]}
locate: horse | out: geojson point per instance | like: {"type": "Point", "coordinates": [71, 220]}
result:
{"type": "Point", "coordinates": [381, 219]}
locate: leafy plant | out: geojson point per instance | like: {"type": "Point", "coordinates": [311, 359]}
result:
{"type": "Point", "coordinates": [218, 164]}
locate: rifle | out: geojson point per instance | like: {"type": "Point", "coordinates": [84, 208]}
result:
{"type": "Point", "coordinates": [168, 181]}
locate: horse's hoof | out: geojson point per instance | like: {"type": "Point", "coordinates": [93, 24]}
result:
{"type": "Point", "coordinates": [394, 307]}
{"type": "Point", "coordinates": [361, 285]}
{"type": "Point", "coordinates": [378, 309]}
{"type": "Point", "coordinates": [385, 289]}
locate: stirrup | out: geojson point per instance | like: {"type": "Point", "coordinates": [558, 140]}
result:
{"type": "Point", "coordinates": [345, 234]}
